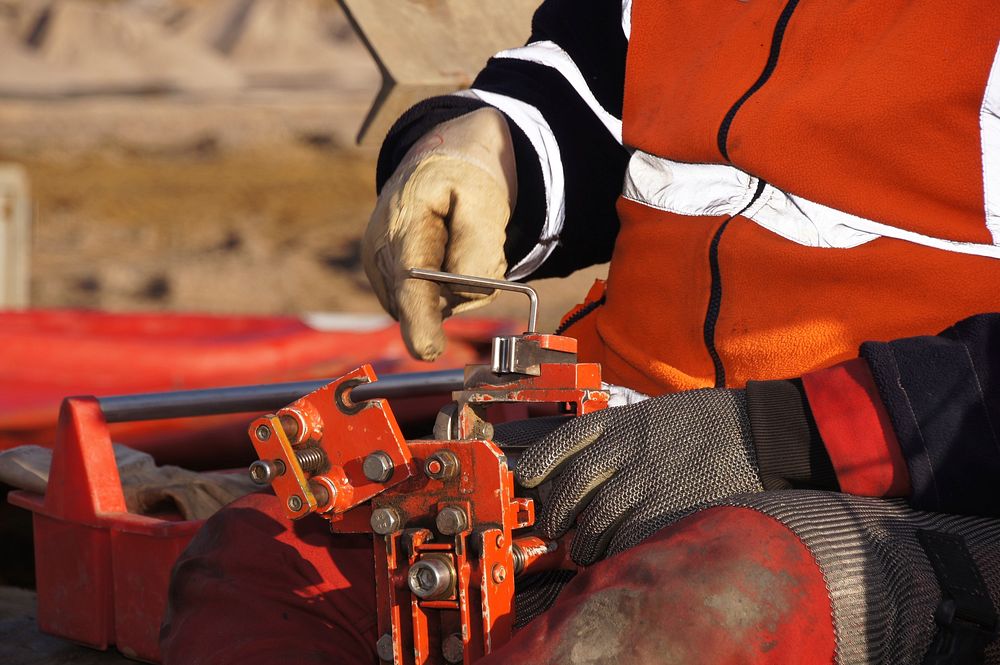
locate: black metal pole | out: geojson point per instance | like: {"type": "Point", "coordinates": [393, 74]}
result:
{"type": "Point", "coordinates": [268, 397]}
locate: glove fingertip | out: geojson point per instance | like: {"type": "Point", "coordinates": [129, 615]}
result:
{"type": "Point", "coordinates": [540, 461]}
{"type": "Point", "coordinates": [551, 533]}
{"type": "Point", "coordinates": [421, 319]}
{"type": "Point", "coordinates": [425, 347]}
{"type": "Point", "coordinates": [529, 481]}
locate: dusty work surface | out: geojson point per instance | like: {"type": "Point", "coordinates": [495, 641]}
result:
{"type": "Point", "coordinates": [22, 644]}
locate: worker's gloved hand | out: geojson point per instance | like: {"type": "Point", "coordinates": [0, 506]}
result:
{"type": "Point", "coordinates": [628, 471]}
{"type": "Point", "coordinates": [445, 208]}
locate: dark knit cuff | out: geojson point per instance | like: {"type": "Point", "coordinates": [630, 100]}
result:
{"type": "Point", "coordinates": [528, 215]}
{"type": "Point", "coordinates": [790, 451]}
{"type": "Point", "coordinates": [411, 127]}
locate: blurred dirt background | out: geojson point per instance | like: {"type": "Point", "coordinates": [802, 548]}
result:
{"type": "Point", "coordinates": [197, 155]}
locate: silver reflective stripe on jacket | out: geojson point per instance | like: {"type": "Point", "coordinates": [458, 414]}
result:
{"type": "Point", "coordinates": [720, 189]}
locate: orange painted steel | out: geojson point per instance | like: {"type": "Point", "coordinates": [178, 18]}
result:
{"type": "Point", "coordinates": [450, 532]}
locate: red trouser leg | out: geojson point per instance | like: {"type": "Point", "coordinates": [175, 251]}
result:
{"type": "Point", "coordinates": [255, 588]}
{"type": "Point", "coordinates": [727, 585]}
{"type": "Point", "coordinates": [723, 586]}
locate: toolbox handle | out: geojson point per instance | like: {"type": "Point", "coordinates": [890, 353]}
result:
{"type": "Point", "coordinates": [83, 480]}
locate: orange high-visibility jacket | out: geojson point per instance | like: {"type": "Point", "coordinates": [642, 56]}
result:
{"type": "Point", "coordinates": [791, 177]}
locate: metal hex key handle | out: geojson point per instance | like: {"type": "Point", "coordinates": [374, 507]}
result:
{"type": "Point", "coordinates": [483, 282]}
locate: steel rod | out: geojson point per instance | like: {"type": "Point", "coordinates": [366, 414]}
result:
{"type": "Point", "coordinates": [267, 397]}
{"type": "Point", "coordinates": [483, 282]}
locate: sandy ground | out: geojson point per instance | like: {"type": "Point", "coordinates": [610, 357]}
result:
{"type": "Point", "coordinates": [247, 206]}
{"type": "Point", "coordinates": [235, 189]}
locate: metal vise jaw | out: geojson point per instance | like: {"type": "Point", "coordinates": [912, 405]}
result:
{"type": "Point", "coordinates": [529, 368]}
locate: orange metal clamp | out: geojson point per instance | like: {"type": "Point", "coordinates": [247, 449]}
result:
{"type": "Point", "coordinates": [450, 533]}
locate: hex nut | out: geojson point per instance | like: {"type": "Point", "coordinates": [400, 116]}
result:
{"type": "Point", "coordinates": [442, 465]}
{"type": "Point", "coordinates": [378, 467]}
{"type": "Point", "coordinates": [385, 521]}
{"type": "Point", "coordinates": [452, 520]}
{"type": "Point", "coordinates": [384, 647]}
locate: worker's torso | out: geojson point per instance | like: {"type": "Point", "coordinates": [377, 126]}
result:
{"type": "Point", "coordinates": [807, 176]}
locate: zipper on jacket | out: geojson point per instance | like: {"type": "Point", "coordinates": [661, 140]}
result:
{"type": "Point", "coordinates": [579, 314]}
{"type": "Point", "coordinates": [772, 62]}
{"type": "Point", "coordinates": [715, 295]}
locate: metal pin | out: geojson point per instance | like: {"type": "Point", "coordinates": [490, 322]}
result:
{"type": "Point", "coordinates": [469, 280]}
{"type": "Point", "coordinates": [453, 649]}
{"type": "Point", "coordinates": [263, 472]}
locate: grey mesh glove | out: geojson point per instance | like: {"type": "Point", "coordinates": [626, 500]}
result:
{"type": "Point", "coordinates": [628, 471]}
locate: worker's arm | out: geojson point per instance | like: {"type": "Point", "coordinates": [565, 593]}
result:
{"type": "Point", "coordinates": [515, 177]}
{"type": "Point", "coordinates": [942, 395]}
{"type": "Point", "coordinates": [561, 95]}
{"type": "Point", "coordinates": [916, 418]}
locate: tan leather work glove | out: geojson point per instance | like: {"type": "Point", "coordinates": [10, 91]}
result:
{"type": "Point", "coordinates": [445, 208]}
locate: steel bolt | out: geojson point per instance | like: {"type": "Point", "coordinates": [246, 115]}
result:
{"type": "Point", "coordinates": [378, 467]}
{"type": "Point", "coordinates": [263, 472]}
{"type": "Point", "coordinates": [385, 521]}
{"type": "Point", "coordinates": [263, 432]}
{"type": "Point", "coordinates": [442, 465]}
{"type": "Point", "coordinates": [452, 520]}
{"type": "Point", "coordinates": [431, 578]}
{"type": "Point", "coordinates": [384, 647]}
{"type": "Point", "coordinates": [453, 648]}
{"type": "Point", "coordinates": [295, 503]}
{"type": "Point", "coordinates": [499, 573]}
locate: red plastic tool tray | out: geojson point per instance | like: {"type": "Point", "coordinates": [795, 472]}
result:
{"type": "Point", "coordinates": [102, 572]}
